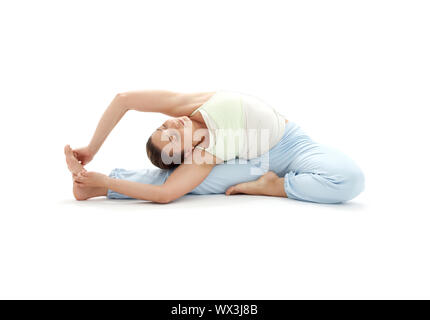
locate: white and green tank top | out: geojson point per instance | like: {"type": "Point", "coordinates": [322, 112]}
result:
{"type": "Point", "coordinates": [240, 125]}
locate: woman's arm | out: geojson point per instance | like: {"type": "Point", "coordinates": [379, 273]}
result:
{"type": "Point", "coordinates": [113, 114]}
{"type": "Point", "coordinates": [168, 102]}
{"type": "Point", "coordinates": [183, 180]}
{"type": "Point", "coordinates": [174, 104]}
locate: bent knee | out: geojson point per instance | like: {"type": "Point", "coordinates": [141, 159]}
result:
{"type": "Point", "coordinates": [350, 184]}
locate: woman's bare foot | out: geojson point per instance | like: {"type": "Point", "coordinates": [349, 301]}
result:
{"type": "Point", "coordinates": [84, 193]}
{"type": "Point", "coordinates": [80, 192]}
{"type": "Point", "coordinates": [268, 184]}
{"type": "Point", "coordinates": [72, 163]}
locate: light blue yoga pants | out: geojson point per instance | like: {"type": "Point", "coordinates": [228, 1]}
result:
{"type": "Point", "coordinates": [312, 172]}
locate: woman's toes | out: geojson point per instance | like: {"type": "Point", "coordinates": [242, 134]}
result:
{"type": "Point", "coordinates": [229, 191]}
{"type": "Point", "coordinates": [73, 164]}
{"type": "Point", "coordinates": [233, 190]}
{"type": "Point", "coordinates": [67, 150]}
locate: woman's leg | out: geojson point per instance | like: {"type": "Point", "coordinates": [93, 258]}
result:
{"type": "Point", "coordinates": [323, 175]}
{"type": "Point", "coordinates": [326, 176]}
{"type": "Point", "coordinates": [218, 181]}
{"type": "Point", "coordinates": [320, 175]}
{"type": "Point", "coordinates": [220, 178]}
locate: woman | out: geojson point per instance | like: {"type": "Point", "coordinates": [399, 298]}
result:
{"type": "Point", "coordinates": [211, 128]}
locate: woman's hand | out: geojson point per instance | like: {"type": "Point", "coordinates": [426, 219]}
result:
{"type": "Point", "coordinates": [84, 155]}
{"type": "Point", "coordinates": [91, 179]}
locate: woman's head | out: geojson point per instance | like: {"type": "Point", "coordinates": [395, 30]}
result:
{"type": "Point", "coordinates": [166, 147]}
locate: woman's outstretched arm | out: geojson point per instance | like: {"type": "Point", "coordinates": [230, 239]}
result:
{"type": "Point", "coordinates": [167, 102]}
{"type": "Point", "coordinates": [174, 104]}
{"type": "Point", "coordinates": [183, 180]}
{"type": "Point", "coordinates": [112, 115]}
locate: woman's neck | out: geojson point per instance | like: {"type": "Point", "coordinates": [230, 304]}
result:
{"type": "Point", "coordinates": [197, 125]}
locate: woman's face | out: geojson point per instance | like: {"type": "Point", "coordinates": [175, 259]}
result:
{"type": "Point", "coordinates": [171, 134]}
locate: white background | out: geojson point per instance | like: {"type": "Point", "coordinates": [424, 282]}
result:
{"type": "Point", "coordinates": [353, 74]}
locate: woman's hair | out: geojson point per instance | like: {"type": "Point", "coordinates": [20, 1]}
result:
{"type": "Point", "coordinates": [154, 154]}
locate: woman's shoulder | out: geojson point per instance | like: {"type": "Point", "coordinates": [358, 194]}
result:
{"type": "Point", "coordinates": [193, 101]}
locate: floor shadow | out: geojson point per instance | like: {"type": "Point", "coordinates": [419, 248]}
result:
{"type": "Point", "coordinates": [209, 201]}
{"type": "Point", "coordinates": [187, 201]}
{"type": "Point", "coordinates": [345, 206]}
